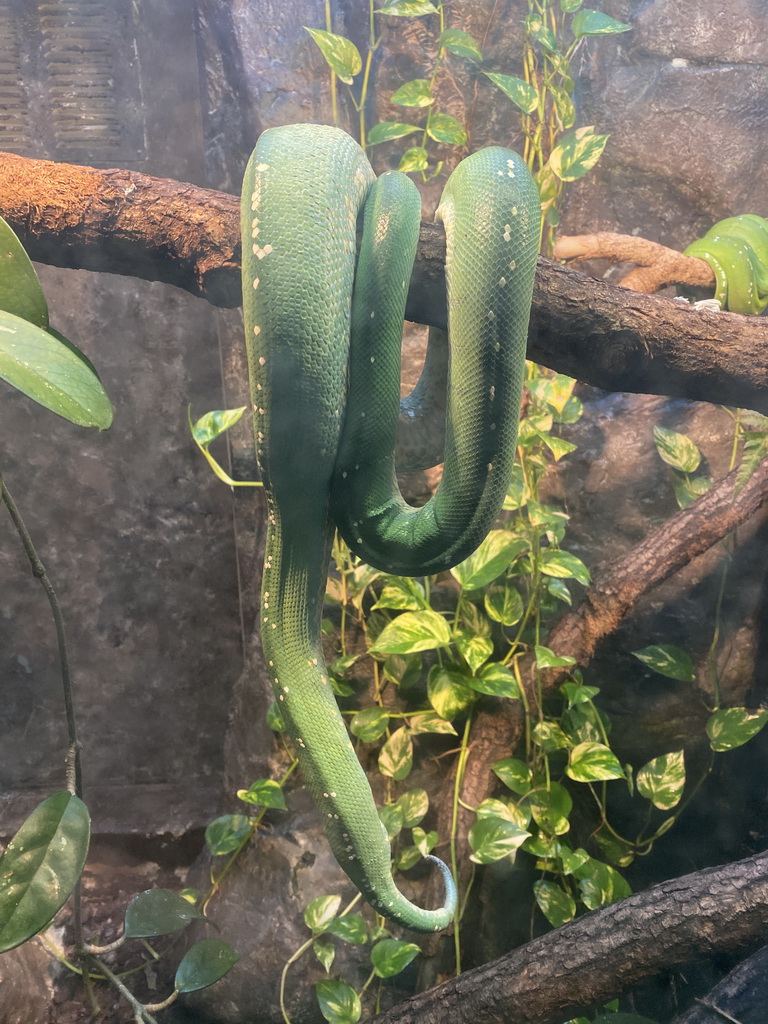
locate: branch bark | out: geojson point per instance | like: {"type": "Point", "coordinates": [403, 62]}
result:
{"type": "Point", "coordinates": [129, 223]}
{"type": "Point", "coordinates": [742, 995]}
{"type": "Point", "coordinates": [568, 971]}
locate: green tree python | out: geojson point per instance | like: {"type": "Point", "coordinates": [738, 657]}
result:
{"type": "Point", "coordinates": [323, 324]}
{"type": "Point", "coordinates": [737, 251]}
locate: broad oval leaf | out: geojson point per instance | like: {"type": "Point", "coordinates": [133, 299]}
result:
{"type": "Point", "coordinates": [475, 650]}
{"type": "Point", "coordinates": [492, 839]}
{"type": "Point", "coordinates": [732, 727]}
{"type": "Point", "coordinates": [401, 594]}
{"type": "Point", "coordinates": [413, 631]}
{"type": "Point", "coordinates": [20, 289]}
{"type": "Point", "coordinates": [495, 680]}
{"type": "Point", "coordinates": [600, 884]}
{"type": "Point", "coordinates": [503, 604]}
{"type": "Point", "coordinates": [490, 560]}
{"type": "Point", "coordinates": [667, 660]}
{"type": "Point", "coordinates": [212, 424]}
{"type": "Point", "coordinates": [41, 866]}
{"type": "Point", "coordinates": [414, 805]}
{"type": "Point", "coordinates": [320, 912]}
{"type": "Point", "coordinates": [577, 153]}
{"type": "Point", "coordinates": [264, 793]}
{"type": "Point", "coordinates": [522, 93]}
{"type": "Point", "coordinates": [444, 128]}
{"type": "Point", "coordinates": [569, 6]}
{"type": "Point", "coordinates": [564, 565]}
{"type": "Point", "coordinates": [460, 43]}
{"type": "Point", "coordinates": [325, 951]}
{"type": "Point", "coordinates": [338, 1003]}
{"type": "Point", "coordinates": [204, 964]}
{"type": "Point", "coordinates": [677, 450]}
{"type": "Point", "coordinates": [515, 774]}
{"type": "Point", "coordinates": [430, 722]}
{"type": "Point", "coordinates": [370, 724]}
{"type": "Point", "coordinates": [519, 815]}
{"type": "Point", "coordinates": [551, 808]}
{"type": "Point", "coordinates": [414, 159]}
{"type": "Point", "coordinates": [449, 691]}
{"type": "Point", "coordinates": [549, 736]}
{"type": "Point", "coordinates": [396, 756]}
{"type": "Point", "coordinates": [350, 928]}
{"type": "Point", "coordinates": [408, 8]}
{"type": "Point", "coordinates": [46, 370]}
{"type": "Point", "coordinates": [546, 658]}
{"type": "Point", "coordinates": [158, 912]}
{"type": "Point", "coordinates": [385, 131]}
{"type": "Point", "coordinates": [341, 54]}
{"type": "Point", "coordinates": [226, 833]}
{"type": "Point", "coordinates": [416, 93]}
{"type": "Point", "coordinates": [662, 780]}
{"type": "Point", "coordinates": [391, 817]}
{"type": "Point", "coordinates": [587, 22]}
{"type": "Point", "coordinates": [390, 956]}
{"type": "Point", "coordinates": [555, 904]}
{"type": "Point", "coordinates": [593, 762]}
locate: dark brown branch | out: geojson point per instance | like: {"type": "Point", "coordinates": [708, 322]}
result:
{"type": "Point", "coordinates": [129, 223]}
{"type": "Point", "coordinates": [742, 994]}
{"type": "Point", "coordinates": [605, 953]}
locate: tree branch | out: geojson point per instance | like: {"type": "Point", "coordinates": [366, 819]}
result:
{"type": "Point", "coordinates": [568, 971]}
{"type": "Point", "coordinates": [124, 222]}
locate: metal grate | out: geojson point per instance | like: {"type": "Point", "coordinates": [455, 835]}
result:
{"type": "Point", "coordinates": [69, 80]}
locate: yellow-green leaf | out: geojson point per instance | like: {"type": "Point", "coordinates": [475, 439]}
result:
{"type": "Point", "coordinates": [341, 54]}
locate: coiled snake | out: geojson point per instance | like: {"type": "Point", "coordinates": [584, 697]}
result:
{"type": "Point", "coordinates": [326, 415]}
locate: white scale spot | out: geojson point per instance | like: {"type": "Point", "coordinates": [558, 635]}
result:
{"type": "Point", "coordinates": [506, 236]}
{"type": "Point", "coordinates": [493, 426]}
{"type": "Point", "coordinates": [512, 265]}
{"type": "Point", "coordinates": [513, 211]}
{"type": "Point", "coordinates": [344, 474]}
{"type": "Point", "coordinates": [282, 697]}
{"type": "Point", "coordinates": [254, 232]}
{"type": "Point", "coordinates": [256, 329]}
{"type": "Point", "coordinates": [490, 466]}
{"type": "Point", "coordinates": [258, 387]}
{"type": "Point", "coordinates": [373, 313]}
{"type": "Point", "coordinates": [497, 347]}
{"type": "Point", "coordinates": [492, 392]}
{"type": "Point", "coordinates": [260, 253]}
{"type": "Point", "coordinates": [262, 361]}
{"type": "Point", "coordinates": [373, 359]}
{"type": "Point", "coordinates": [255, 282]}
{"type": "Point", "coordinates": [261, 412]}
{"type": "Point", "coordinates": [502, 281]}
{"type": "Point", "coordinates": [262, 167]}
{"type": "Point", "coordinates": [491, 314]}
{"type": "Point", "coordinates": [274, 626]}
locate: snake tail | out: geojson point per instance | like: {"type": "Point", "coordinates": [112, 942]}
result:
{"type": "Point", "coordinates": [303, 189]}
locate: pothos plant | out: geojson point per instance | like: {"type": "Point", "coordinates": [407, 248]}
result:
{"type": "Point", "coordinates": [41, 865]}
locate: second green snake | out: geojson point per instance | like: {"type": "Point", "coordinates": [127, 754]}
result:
{"type": "Point", "coordinates": [326, 415]}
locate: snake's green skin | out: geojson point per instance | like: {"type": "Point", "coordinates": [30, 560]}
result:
{"type": "Point", "coordinates": [326, 421]}
{"type": "Point", "coordinates": [737, 251]}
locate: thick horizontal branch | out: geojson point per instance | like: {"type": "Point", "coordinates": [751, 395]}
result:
{"type": "Point", "coordinates": [568, 971]}
{"type": "Point", "coordinates": [124, 222]}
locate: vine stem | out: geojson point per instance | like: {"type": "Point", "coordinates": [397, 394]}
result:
{"type": "Point", "coordinates": [140, 1011]}
{"type": "Point", "coordinates": [460, 767]}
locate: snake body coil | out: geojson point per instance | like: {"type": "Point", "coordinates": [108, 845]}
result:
{"type": "Point", "coordinates": [326, 416]}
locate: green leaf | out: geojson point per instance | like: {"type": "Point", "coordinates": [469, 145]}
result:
{"type": "Point", "coordinates": [564, 106]}
{"type": "Point", "coordinates": [600, 884]}
{"type": "Point", "coordinates": [425, 842]}
{"type": "Point", "coordinates": [583, 723]}
{"type": "Point", "coordinates": [401, 594]}
{"type": "Point", "coordinates": [49, 372]}
{"type": "Point", "coordinates": [559, 590]}
{"type": "Point", "coordinates": [338, 1003]}
{"type": "Point", "coordinates": [407, 8]}
{"type": "Point", "coordinates": [667, 660]}
{"type": "Point", "coordinates": [226, 833]}
{"type": "Point", "coordinates": [515, 774]}
{"type": "Point", "coordinates": [396, 756]}
{"type": "Point", "coordinates": [390, 956]}
{"type": "Point", "coordinates": [265, 793]}
{"type": "Point", "coordinates": [20, 290]}
{"type": "Point", "coordinates": [546, 658]}
{"type": "Point", "coordinates": [158, 912]}
{"type": "Point", "coordinates": [403, 670]}
{"type": "Point", "coordinates": [385, 131]}
{"type": "Point", "coordinates": [551, 808]}
{"type": "Point", "coordinates": [320, 913]}
{"type": "Point", "coordinates": [689, 488]}
{"type": "Point", "coordinates": [662, 780]}
{"type": "Point", "coordinates": [414, 159]}
{"type": "Point", "coordinates": [594, 23]}
{"type": "Point", "coordinates": [677, 450]}
{"type": "Point", "coordinates": [391, 817]}
{"type": "Point", "coordinates": [558, 446]}
{"type": "Point", "coordinates": [416, 93]}
{"type": "Point", "coordinates": [41, 866]}
{"type": "Point", "coordinates": [204, 964]}
{"type": "Point", "coordinates": [570, 5]}
{"type": "Point", "coordinates": [538, 31]}
{"type": "Point", "coordinates": [444, 128]}
{"type": "Point", "coordinates": [492, 839]}
{"type": "Point", "coordinates": [518, 493]}
{"type": "Point", "coordinates": [497, 681]}
{"type": "Point", "coordinates": [370, 724]}
{"type": "Point", "coordinates": [413, 631]}
{"type": "Point", "coordinates": [475, 650]}
{"type": "Point", "coordinates": [449, 691]}
{"type": "Point", "coordinates": [430, 722]}
{"type": "Point", "coordinates": [341, 54]}
{"type": "Point", "coordinates": [550, 737]}
{"type": "Point", "coordinates": [212, 424]}
{"type": "Point", "coordinates": [577, 153]}
{"type": "Point", "coordinates": [519, 815]}
{"type": "Point", "coordinates": [503, 603]}
{"type": "Point", "coordinates": [522, 94]}
{"type": "Point", "coordinates": [414, 805]}
{"type": "Point", "coordinates": [564, 565]}
{"type": "Point", "coordinates": [350, 928]}
{"type": "Point", "coordinates": [275, 720]}
{"type": "Point", "coordinates": [460, 43]}
{"type": "Point", "coordinates": [499, 549]}
{"type": "Point", "coordinates": [578, 693]}
{"type": "Point", "coordinates": [554, 903]}
{"type": "Point", "coordinates": [593, 762]}
{"type": "Point", "coordinates": [325, 951]}
{"type": "Point", "coordinates": [731, 727]}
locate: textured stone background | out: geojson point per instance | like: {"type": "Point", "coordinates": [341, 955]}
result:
{"type": "Point", "coordinates": [145, 545]}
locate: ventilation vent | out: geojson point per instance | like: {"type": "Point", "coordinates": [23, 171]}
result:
{"type": "Point", "coordinates": [69, 80]}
